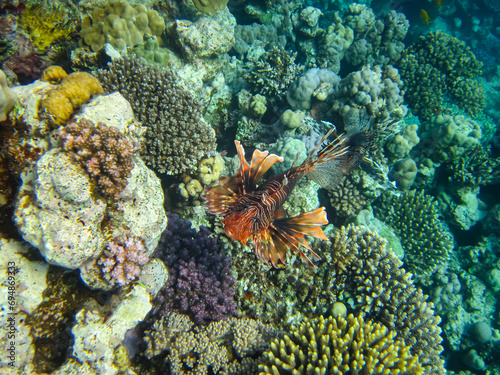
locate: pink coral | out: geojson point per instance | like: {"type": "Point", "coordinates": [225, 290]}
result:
{"type": "Point", "coordinates": [122, 260]}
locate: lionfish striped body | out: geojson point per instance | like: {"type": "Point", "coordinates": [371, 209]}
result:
{"type": "Point", "coordinates": [251, 211]}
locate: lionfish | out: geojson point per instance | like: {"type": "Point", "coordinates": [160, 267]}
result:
{"type": "Point", "coordinates": [256, 212]}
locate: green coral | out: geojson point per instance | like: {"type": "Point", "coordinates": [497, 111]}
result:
{"type": "Point", "coordinates": [414, 217]}
{"type": "Point", "coordinates": [436, 64]}
{"type": "Point", "coordinates": [339, 346]}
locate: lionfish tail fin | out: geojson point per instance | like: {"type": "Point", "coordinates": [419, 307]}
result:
{"type": "Point", "coordinates": [288, 233]}
{"type": "Point", "coordinates": [260, 164]}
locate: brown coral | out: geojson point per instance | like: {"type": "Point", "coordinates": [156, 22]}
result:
{"type": "Point", "coordinates": [74, 90]}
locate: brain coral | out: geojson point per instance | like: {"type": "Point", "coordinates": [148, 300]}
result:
{"type": "Point", "coordinates": [177, 136]}
{"type": "Point", "coordinates": [340, 346]}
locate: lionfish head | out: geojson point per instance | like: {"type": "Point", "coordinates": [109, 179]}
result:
{"type": "Point", "coordinates": [239, 225]}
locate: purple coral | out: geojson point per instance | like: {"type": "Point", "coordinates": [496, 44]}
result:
{"type": "Point", "coordinates": [200, 282]}
{"type": "Point", "coordinates": [104, 152]}
{"type": "Point", "coordinates": [122, 260]}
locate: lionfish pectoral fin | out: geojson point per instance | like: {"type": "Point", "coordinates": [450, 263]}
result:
{"type": "Point", "coordinates": [219, 198]}
{"type": "Point", "coordinates": [268, 250]}
{"type": "Point", "coordinates": [289, 232]}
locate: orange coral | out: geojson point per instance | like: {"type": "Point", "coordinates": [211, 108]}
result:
{"type": "Point", "coordinates": [54, 74]}
{"type": "Point", "coordinates": [74, 90]}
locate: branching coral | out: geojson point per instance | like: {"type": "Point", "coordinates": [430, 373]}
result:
{"type": "Point", "coordinates": [104, 152]}
{"type": "Point", "coordinates": [438, 63]}
{"type": "Point", "coordinates": [200, 283]}
{"type": "Point", "coordinates": [177, 136]}
{"type": "Point", "coordinates": [340, 346]}
{"type": "Point", "coordinates": [415, 218]}
{"type": "Point", "coordinates": [122, 260]}
{"type": "Point", "coordinates": [73, 91]}
{"type": "Point", "coordinates": [196, 350]}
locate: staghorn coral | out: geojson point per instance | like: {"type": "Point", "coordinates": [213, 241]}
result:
{"type": "Point", "coordinates": [340, 346]}
{"type": "Point", "coordinates": [104, 152]}
{"type": "Point", "coordinates": [200, 282]}
{"type": "Point", "coordinates": [436, 64]}
{"type": "Point", "coordinates": [73, 91]}
{"type": "Point", "coordinates": [177, 136]}
{"type": "Point", "coordinates": [122, 259]}
{"type": "Point", "coordinates": [274, 73]}
{"type": "Point", "coordinates": [414, 217]}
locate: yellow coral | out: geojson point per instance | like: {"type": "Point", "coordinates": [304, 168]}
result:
{"type": "Point", "coordinates": [54, 74]}
{"type": "Point", "coordinates": [74, 90]}
{"type": "Point", "coordinates": [46, 26]}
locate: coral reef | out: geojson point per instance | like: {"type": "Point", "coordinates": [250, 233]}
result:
{"type": "Point", "coordinates": [73, 91]}
{"type": "Point", "coordinates": [346, 199]}
{"type": "Point", "coordinates": [177, 136]}
{"type": "Point", "coordinates": [201, 282]}
{"type": "Point", "coordinates": [211, 7]}
{"type": "Point", "coordinates": [415, 218]}
{"type": "Point", "coordinates": [121, 24]}
{"type": "Point", "coordinates": [314, 83]}
{"type": "Point", "coordinates": [436, 64]}
{"type": "Point", "coordinates": [339, 346]}
{"type": "Point", "coordinates": [104, 152]}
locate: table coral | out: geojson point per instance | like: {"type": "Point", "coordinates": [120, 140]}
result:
{"type": "Point", "coordinates": [415, 218]}
{"type": "Point", "coordinates": [177, 136]}
{"type": "Point", "coordinates": [73, 91]}
{"type": "Point", "coordinates": [201, 283]}
{"type": "Point", "coordinates": [340, 346]}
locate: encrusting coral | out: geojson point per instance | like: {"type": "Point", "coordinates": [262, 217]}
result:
{"type": "Point", "coordinates": [177, 136]}
{"type": "Point", "coordinates": [6, 97]}
{"type": "Point", "coordinates": [339, 346]}
{"type": "Point", "coordinates": [104, 152]}
{"type": "Point", "coordinates": [74, 90]}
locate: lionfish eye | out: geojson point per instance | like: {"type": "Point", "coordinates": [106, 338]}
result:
{"type": "Point", "coordinates": [256, 219]}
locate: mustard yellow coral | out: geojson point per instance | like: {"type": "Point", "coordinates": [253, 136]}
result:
{"type": "Point", "coordinates": [54, 74]}
{"type": "Point", "coordinates": [74, 90]}
{"type": "Point", "coordinates": [340, 346]}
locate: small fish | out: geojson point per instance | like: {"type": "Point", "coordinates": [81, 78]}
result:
{"type": "Point", "coordinates": [424, 17]}
{"type": "Point", "coordinates": [256, 212]}
{"type": "Point", "coordinates": [438, 3]}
